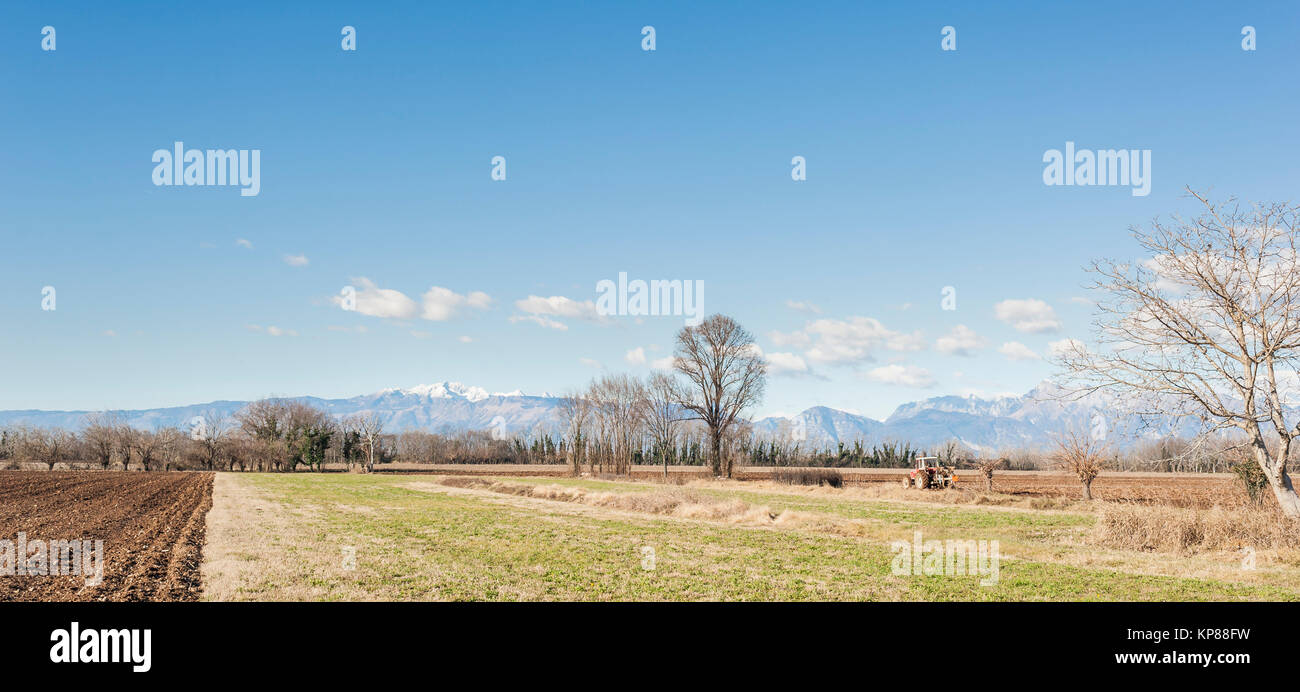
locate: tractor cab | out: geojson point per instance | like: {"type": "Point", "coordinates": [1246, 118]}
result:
{"type": "Point", "coordinates": [927, 463]}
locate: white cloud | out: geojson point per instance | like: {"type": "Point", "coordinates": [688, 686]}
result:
{"type": "Point", "coordinates": [905, 375]}
{"type": "Point", "coordinates": [1028, 315]}
{"type": "Point", "coordinates": [793, 339]}
{"type": "Point", "coordinates": [961, 341]}
{"type": "Point", "coordinates": [786, 364]}
{"type": "Point", "coordinates": [591, 362]}
{"type": "Point", "coordinates": [465, 339]}
{"type": "Point", "coordinates": [1056, 349]}
{"type": "Point", "coordinates": [296, 260]}
{"type": "Point", "coordinates": [665, 363]}
{"type": "Point", "coordinates": [380, 302]}
{"type": "Point", "coordinates": [109, 332]}
{"type": "Point", "coordinates": [359, 329]}
{"type": "Point", "coordinates": [538, 319]}
{"type": "Point", "coordinates": [803, 306]}
{"type": "Point", "coordinates": [1014, 350]}
{"type": "Point", "coordinates": [244, 243]}
{"type": "Point", "coordinates": [848, 341]}
{"type": "Point", "coordinates": [437, 304]}
{"type": "Point", "coordinates": [635, 356]}
{"type": "Point", "coordinates": [542, 310]}
{"type": "Point", "coordinates": [442, 304]}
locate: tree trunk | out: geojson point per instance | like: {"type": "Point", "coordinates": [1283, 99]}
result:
{"type": "Point", "coordinates": [988, 483]}
{"type": "Point", "coordinates": [1285, 493]}
{"type": "Point", "coordinates": [1279, 480]}
{"type": "Point", "coordinates": [715, 441]}
{"type": "Point", "coordinates": [1087, 489]}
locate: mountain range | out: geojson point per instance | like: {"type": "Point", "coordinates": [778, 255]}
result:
{"type": "Point", "coordinates": [1004, 422]}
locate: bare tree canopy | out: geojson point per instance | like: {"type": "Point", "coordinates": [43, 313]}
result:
{"type": "Point", "coordinates": [1208, 326]}
{"type": "Point", "coordinates": [662, 414]}
{"type": "Point", "coordinates": [1080, 454]}
{"type": "Point", "coordinates": [370, 428]}
{"type": "Point", "coordinates": [575, 409]}
{"type": "Point", "coordinates": [727, 375]}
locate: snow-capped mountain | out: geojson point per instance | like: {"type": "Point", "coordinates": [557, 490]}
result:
{"type": "Point", "coordinates": [439, 407]}
{"type": "Point", "coordinates": [979, 423]}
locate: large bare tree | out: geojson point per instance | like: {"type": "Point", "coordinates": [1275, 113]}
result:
{"type": "Point", "coordinates": [726, 374]}
{"type": "Point", "coordinates": [1207, 326]}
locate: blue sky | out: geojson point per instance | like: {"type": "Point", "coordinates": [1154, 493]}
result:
{"type": "Point", "coordinates": [924, 170]}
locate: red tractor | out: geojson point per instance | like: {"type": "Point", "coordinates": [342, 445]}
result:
{"type": "Point", "coordinates": [929, 473]}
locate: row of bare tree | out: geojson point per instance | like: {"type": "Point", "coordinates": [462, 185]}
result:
{"type": "Point", "coordinates": [268, 435]}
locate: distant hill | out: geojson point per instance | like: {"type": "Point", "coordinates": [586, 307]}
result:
{"type": "Point", "coordinates": [997, 423]}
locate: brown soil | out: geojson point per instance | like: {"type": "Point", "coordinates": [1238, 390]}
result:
{"type": "Point", "coordinates": [152, 525]}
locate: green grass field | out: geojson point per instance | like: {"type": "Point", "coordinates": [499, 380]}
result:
{"type": "Point", "coordinates": [371, 537]}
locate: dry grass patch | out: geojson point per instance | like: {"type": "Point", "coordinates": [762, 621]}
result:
{"type": "Point", "coordinates": [673, 501]}
{"type": "Point", "coordinates": [1188, 531]}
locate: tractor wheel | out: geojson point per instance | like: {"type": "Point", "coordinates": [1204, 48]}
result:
{"type": "Point", "coordinates": [920, 481]}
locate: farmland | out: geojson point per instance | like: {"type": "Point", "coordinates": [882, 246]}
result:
{"type": "Point", "coordinates": [494, 533]}
{"type": "Point", "coordinates": [151, 525]}
{"type": "Point", "coordinates": [429, 537]}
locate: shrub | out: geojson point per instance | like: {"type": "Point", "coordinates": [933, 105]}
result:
{"type": "Point", "coordinates": [817, 477]}
{"type": "Point", "coordinates": [1252, 478]}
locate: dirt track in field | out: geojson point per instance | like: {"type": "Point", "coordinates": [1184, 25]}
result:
{"type": "Point", "coordinates": [152, 526]}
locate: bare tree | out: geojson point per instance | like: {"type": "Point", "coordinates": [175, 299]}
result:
{"type": "Point", "coordinates": [371, 428]}
{"type": "Point", "coordinates": [146, 445]}
{"type": "Point", "coordinates": [727, 375]}
{"type": "Point", "coordinates": [1081, 454]}
{"type": "Point", "coordinates": [950, 452]}
{"type": "Point", "coordinates": [171, 444]}
{"type": "Point", "coordinates": [986, 466]}
{"type": "Point", "coordinates": [124, 441]}
{"type": "Point", "coordinates": [211, 431]}
{"type": "Point", "coordinates": [616, 401]}
{"type": "Point", "coordinates": [662, 414]}
{"type": "Point", "coordinates": [51, 445]}
{"type": "Point", "coordinates": [575, 410]}
{"type": "Point", "coordinates": [100, 435]}
{"type": "Point", "coordinates": [1208, 327]}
